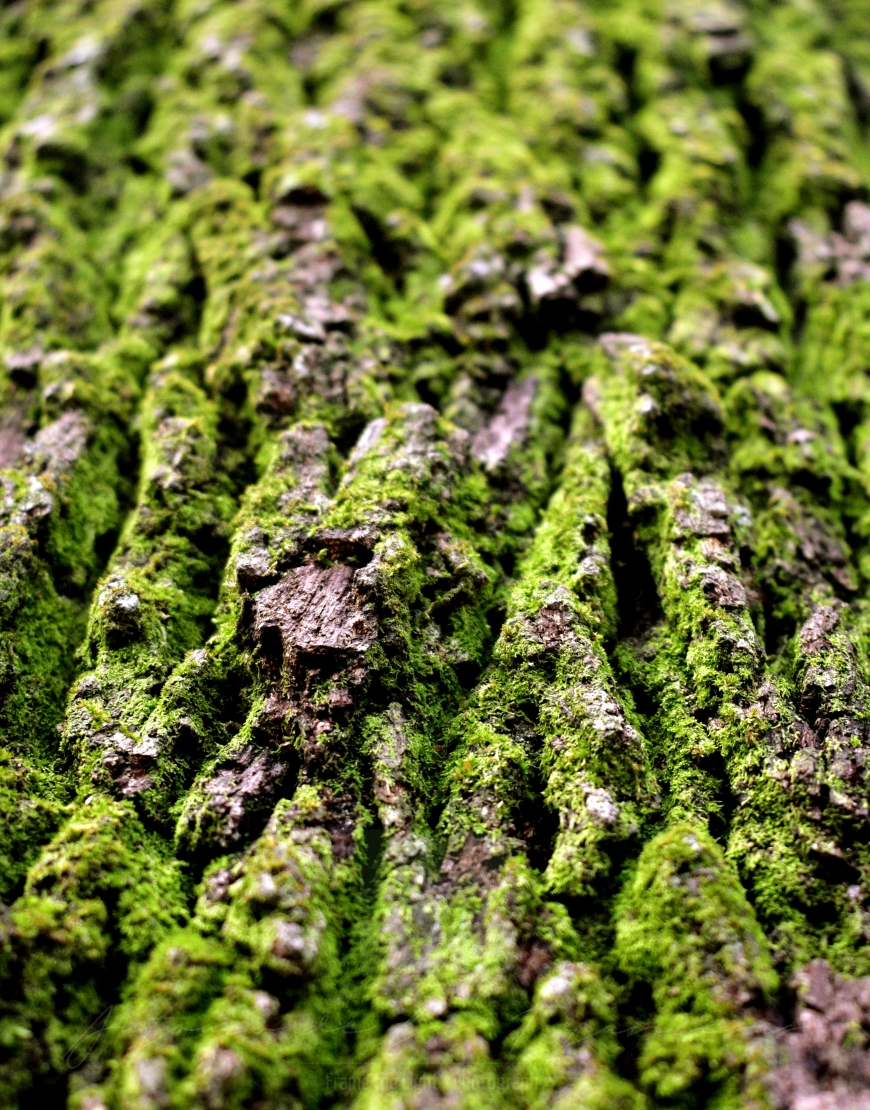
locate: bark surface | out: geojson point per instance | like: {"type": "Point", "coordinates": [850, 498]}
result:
{"type": "Point", "coordinates": [435, 555]}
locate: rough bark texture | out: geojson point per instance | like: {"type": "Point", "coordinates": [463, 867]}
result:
{"type": "Point", "coordinates": [434, 555]}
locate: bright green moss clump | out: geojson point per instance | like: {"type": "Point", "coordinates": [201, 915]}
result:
{"type": "Point", "coordinates": [683, 926]}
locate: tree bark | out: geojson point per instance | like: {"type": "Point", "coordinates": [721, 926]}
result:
{"type": "Point", "coordinates": [434, 554]}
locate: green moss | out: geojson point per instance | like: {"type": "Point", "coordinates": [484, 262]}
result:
{"type": "Point", "coordinates": [146, 615]}
{"type": "Point", "coordinates": [800, 88]}
{"type": "Point", "coordinates": [453, 940]}
{"type": "Point", "coordinates": [102, 892]}
{"type": "Point", "coordinates": [30, 814]}
{"type": "Point", "coordinates": [294, 225]}
{"type": "Point", "coordinates": [684, 926]}
{"type": "Point", "coordinates": [705, 666]}
{"type": "Point", "coordinates": [408, 479]}
{"type": "Point", "coordinates": [69, 401]}
{"type": "Point", "coordinates": [565, 1043]}
{"type": "Point", "coordinates": [156, 600]}
{"type": "Point", "coordinates": [201, 1015]}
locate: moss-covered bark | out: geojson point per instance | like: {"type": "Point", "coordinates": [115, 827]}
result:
{"type": "Point", "coordinates": [434, 550]}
